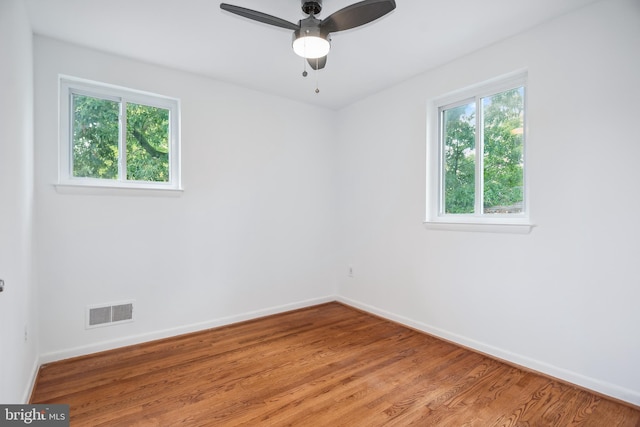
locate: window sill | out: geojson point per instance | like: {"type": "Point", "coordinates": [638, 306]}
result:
{"type": "Point", "coordinates": [97, 190]}
{"type": "Point", "coordinates": [484, 227]}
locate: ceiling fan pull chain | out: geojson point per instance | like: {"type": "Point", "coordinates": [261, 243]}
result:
{"type": "Point", "coordinates": [317, 90]}
{"type": "Point", "coordinates": [304, 68]}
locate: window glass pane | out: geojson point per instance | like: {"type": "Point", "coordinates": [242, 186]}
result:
{"type": "Point", "coordinates": [147, 143]}
{"type": "Point", "coordinates": [95, 137]}
{"type": "Point", "coordinates": [459, 159]}
{"type": "Point", "coordinates": [503, 118]}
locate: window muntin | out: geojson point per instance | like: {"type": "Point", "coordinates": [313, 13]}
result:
{"type": "Point", "coordinates": [117, 137]}
{"type": "Point", "coordinates": [476, 146]}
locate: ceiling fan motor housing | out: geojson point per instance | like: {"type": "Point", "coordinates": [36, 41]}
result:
{"type": "Point", "coordinates": [310, 27]}
{"type": "Point", "coordinates": [311, 7]}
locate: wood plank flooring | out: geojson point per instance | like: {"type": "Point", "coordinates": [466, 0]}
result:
{"type": "Point", "coordinates": [328, 365]}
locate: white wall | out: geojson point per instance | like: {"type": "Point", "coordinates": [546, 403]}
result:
{"type": "Point", "coordinates": [269, 200]}
{"type": "Point", "coordinates": [18, 358]}
{"type": "Point", "coordinates": [251, 234]}
{"type": "Point", "coordinates": [563, 299]}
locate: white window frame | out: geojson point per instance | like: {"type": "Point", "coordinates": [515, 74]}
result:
{"type": "Point", "coordinates": [436, 218]}
{"type": "Point", "coordinates": [68, 86]}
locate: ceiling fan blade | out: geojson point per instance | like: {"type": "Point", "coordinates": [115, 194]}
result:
{"type": "Point", "coordinates": [259, 16]}
{"type": "Point", "coordinates": [317, 63]}
{"type": "Point", "coordinates": [357, 14]}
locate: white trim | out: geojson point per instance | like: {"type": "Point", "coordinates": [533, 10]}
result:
{"type": "Point", "coordinates": [71, 85]}
{"type": "Point", "coordinates": [35, 369]}
{"type": "Point", "coordinates": [434, 219]}
{"type": "Point", "coordinates": [114, 190]}
{"type": "Point", "coordinates": [599, 386]}
{"type": "Point", "coordinates": [171, 332]}
{"type": "Point", "coordinates": [486, 227]}
{"type": "Point", "coordinates": [482, 89]}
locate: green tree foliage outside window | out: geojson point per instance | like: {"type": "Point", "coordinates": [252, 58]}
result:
{"type": "Point", "coordinates": [503, 115]}
{"type": "Point", "coordinates": [460, 164]}
{"type": "Point", "coordinates": [96, 151]}
{"type": "Point", "coordinates": [147, 143]}
{"type": "Point", "coordinates": [501, 136]}
{"type": "Point", "coordinates": [95, 137]}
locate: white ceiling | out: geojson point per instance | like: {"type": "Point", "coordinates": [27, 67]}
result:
{"type": "Point", "coordinates": [197, 36]}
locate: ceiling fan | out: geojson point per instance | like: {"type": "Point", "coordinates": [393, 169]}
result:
{"type": "Point", "coordinates": [311, 35]}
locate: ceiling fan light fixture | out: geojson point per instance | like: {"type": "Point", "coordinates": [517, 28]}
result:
{"type": "Point", "coordinates": [311, 47]}
{"type": "Point", "coordinates": [311, 35]}
{"type": "Point", "coordinates": [310, 43]}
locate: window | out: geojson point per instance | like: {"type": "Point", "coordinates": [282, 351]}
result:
{"type": "Point", "coordinates": [476, 153]}
{"type": "Point", "coordinates": [116, 137]}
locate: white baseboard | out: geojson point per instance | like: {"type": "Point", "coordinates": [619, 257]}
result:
{"type": "Point", "coordinates": [596, 385]}
{"type": "Point", "coordinates": [32, 381]}
{"type": "Point", "coordinates": [155, 335]}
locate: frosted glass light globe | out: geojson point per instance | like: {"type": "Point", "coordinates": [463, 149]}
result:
{"type": "Point", "coordinates": [311, 47]}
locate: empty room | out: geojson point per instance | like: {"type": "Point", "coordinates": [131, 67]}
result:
{"type": "Point", "coordinates": [427, 221]}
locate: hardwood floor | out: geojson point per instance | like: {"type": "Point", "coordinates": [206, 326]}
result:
{"type": "Point", "coordinates": [328, 365]}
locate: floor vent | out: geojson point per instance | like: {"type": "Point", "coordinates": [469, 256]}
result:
{"type": "Point", "coordinates": [105, 315]}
